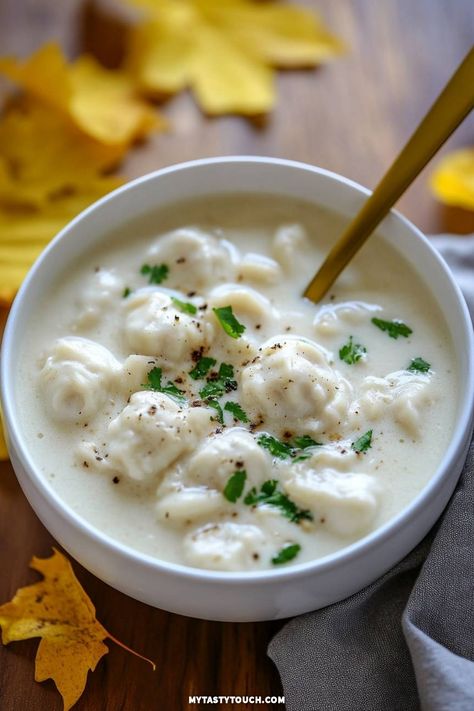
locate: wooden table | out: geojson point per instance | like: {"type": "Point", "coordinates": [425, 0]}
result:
{"type": "Point", "coordinates": [351, 117]}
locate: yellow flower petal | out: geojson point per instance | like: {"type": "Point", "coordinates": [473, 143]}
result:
{"type": "Point", "coordinates": [453, 180]}
{"type": "Point", "coordinates": [102, 103]}
{"type": "Point", "coordinates": [225, 50]}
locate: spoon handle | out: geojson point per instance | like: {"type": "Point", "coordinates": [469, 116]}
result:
{"type": "Point", "coordinates": [450, 108]}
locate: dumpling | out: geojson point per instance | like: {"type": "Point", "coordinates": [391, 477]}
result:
{"type": "Point", "coordinates": [150, 433]}
{"type": "Point", "coordinates": [223, 454]}
{"type": "Point", "coordinates": [196, 260]}
{"type": "Point", "coordinates": [76, 377]}
{"type": "Point", "coordinates": [288, 242]}
{"type": "Point", "coordinates": [334, 319]}
{"type": "Point", "coordinates": [260, 269]}
{"type": "Point", "coordinates": [224, 546]}
{"type": "Point", "coordinates": [101, 293]}
{"type": "Point", "coordinates": [402, 395]}
{"type": "Point", "coordinates": [188, 504]}
{"type": "Point", "coordinates": [291, 385]}
{"type": "Point", "coordinates": [154, 327]}
{"type": "Point", "coordinates": [344, 503]}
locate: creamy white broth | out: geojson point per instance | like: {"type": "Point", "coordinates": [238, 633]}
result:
{"type": "Point", "coordinates": [151, 471]}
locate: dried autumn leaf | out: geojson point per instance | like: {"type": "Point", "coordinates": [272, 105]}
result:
{"type": "Point", "coordinates": [453, 180]}
{"type": "Point", "coordinates": [225, 51]}
{"type": "Point", "coordinates": [101, 102]}
{"type": "Point", "coordinates": [58, 610]}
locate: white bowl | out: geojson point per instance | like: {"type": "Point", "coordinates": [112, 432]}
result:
{"type": "Point", "coordinates": [254, 595]}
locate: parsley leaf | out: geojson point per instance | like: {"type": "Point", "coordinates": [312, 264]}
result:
{"type": "Point", "coordinates": [234, 488]}
{"type": "Point", "coordinates": [202, 368]}
{"type": "Point", "coordinates": [156, 274]}
{"type": "Point", "coordinates": [126, 292]}
{"type": "Point", "coordinates": [352, 352]}
{"type": "Point", "coordinates": [229, 323]}
{"type": "Point", "coordinates": [185, 306]}
{"type": "Point", "coordinates": [275, 446]}
{"type": "Point", "coordinates": [222, 384]}
{"type": "Point", "coordinates": [270, 496]}
{"type": "Point", "coordinates": [305, 441]}
{"type": "Point", "coordinates": [212, 389]}
{"type": "Point", "coordinates": [393, 328]}
{"type": "Point", "coordinates": [363, 443]}
{"type": "Point", "coordinates": [154, 383]}
{"type": "Point", "coordinates": [218, 409]}
{"type": "Point", "coordinates": [236, 411]}
{"type": "Point", "coordinates": [419, 365]}
{"type": "Point", "coordinates": [286, 554]}
{"type": "Point", "coordinates": [226, 370]}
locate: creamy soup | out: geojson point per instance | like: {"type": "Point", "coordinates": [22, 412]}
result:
{"type": "Point", "coordinates": [179, 393]}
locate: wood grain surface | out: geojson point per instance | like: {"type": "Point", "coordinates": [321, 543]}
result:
{"type": "Point", "coordinates": [351, 117]}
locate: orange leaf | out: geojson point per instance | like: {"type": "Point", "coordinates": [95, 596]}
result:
{"type": "Point", "coordinates": [58, 610]}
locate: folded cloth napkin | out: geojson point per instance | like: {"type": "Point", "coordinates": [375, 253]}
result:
{"type": "Point", "coordinates": [405, 642]}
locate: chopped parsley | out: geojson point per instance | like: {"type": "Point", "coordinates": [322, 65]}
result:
{"type": "Point", "coordinates": [279, 449]}
{"type": "Point", "coordinates": [352, 352]}
{"type": "Point", "coordinates": [185, 306]}
{"type": "Point", "coordinates": [202, 368]}
{"type": "Point", "coordinates": [220, 415]}
{"type": "Point", "coordinates": [154, 378]}
{"type": "Point", "coordinates": [283, 450]}
{"type": "Point", "coordinates": [363, 443]}
{"type": "Point", "coordinates": [394, 328]}
{"type": "Point", "coordinates": [419, 365]}
{"type": "Point", "coordinates": [270, 496]}
{"type": "Point", "coordinates": [286, 554]}
{"type": "Point", "coordinates": [126, 292]}
{"type": "Point", "coordinates": [236, 410]}
{"type": "Point", "coordinates": [156, 273]}
{"type": "Point", "coordinates": [223, 383]}
{"type": "Point", "coordinates": [235, 486]}
{"type": "Point", "coordinates": [229, 323]}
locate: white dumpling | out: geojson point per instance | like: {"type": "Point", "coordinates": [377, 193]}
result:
{"type": "Point", "coordinates": [223, 454]}
{"type": "Point", "coordinates": [102, 292]}
{"type": "Point", "coordinates": [224, 546]}
{"type": "Point", "coordinates": [344, 503]}
{"type": "Point", "coordinates": [76, 377]}
{"type": "Point", "coordinates": [260, 269]}
{"type": "Point", "coordinates": [188, 504]}
{"type": "Point", "coordinates": [150, 433]}
{"type": "Point", "coordinates": [196, 260]}
{"type": "Point", "coordinates": [335, 319]}
{"type": "Point", "coordinates": [288, 242]}
{"type": "Point", "coordinates": [291, 385]}
{"type": "Point", "coordinates": [155, 327]}
{"type": "Point", "coordinates": [249, 306]}
{"type": "Point", "coordinates": [402, 395]}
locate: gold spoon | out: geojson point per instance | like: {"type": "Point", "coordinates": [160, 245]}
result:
{"type": "Point", "coordinates": [450, 108]}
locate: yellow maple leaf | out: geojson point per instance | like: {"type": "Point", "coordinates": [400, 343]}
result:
{"type": "Point", "coordinates": [453, 180]}
{"type": "Point", "coordinates": [225, 51]}
{"type": "Point", "coordinates": [101, 102]}
{"type": "Point", "coordinates": [58, 610]}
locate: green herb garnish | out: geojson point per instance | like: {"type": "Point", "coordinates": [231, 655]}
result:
{"type": "Point", "coordinates": [352, 352]}
{"type": "Point", "coordinates": [236, 410]}
{"type": "Point", "coordinates": [393, 328]}
{"type": "Point", "coordinates": [185, 306]}
{"type": "Point", "coordinates": [220, 415]}
{"type": "Point", "coordinates": [212, 389]}
{"type": "Point", "coordinates": [156, 273]}
{"type": "Point", "coordinates": [419, 365]}
{"type": "Point", "coordinates": [229, 323]}
{"type": "Point", "coordinates": [275, 446]}
{"type": "Point", "coordinates": [154, 378]}
{"type": "Point", "coordinates": [223, 383]}
{"type": "Point", "coordinates": [363, 443]}
{"type": "Point", "coordinates": [202, 368]}
{"type": "Point", "coordinates": [235, 486]}
{"type": "Point", "coordinates": [126, 292]}
{"type": "Point", "coordinates": [305, 441]}
{"type": "Point", "coordinates": [270, 496]}
{"type": "Point", "coordinates": [286, 554]}
{"type": "Point", "coordinates": [226, 370]}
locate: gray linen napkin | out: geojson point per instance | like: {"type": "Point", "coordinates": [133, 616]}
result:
{"type": "Point", "coordinates": [406, 642]}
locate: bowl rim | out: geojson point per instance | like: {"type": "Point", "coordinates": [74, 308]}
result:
{"type": "Point", "coordinates": [353, 551]}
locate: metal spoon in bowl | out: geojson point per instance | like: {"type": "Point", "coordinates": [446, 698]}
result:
{"type": "Point", "coordinates": [450, 108]}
